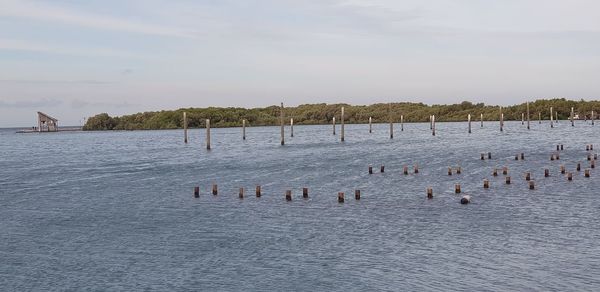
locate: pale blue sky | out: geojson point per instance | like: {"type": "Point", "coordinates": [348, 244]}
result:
{"type": "Point", "coordinates": [73, 59]}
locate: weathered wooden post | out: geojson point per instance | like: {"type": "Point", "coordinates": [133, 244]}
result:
{"type": "Point", "coordinates": [504, 170]}
{"type": "Point", "coordinates": [333, 122]}
{"type": "Point", "coordinates": [282, 126]}
{"type": "Point", "coordinates": [431, 122]}
{"type": "Point", "coordinates": [458, 170]}
{"type": "Point", "coordinates": [215, 190]}
{"type": "Point", "coordinates": [185, 127]}
{"type": "Point", "coordinates": [556, 116]}
{"type": "Point", "coordinates": [592, 118]}
{"type": "Point", "coordinates": [528, 176]}
{"type": "Point", "coordinates": [382, 168]}
{"type": "Point", "coordinates": [522, 119]}
{"type": "Point", "coordinates": [540, 118]}
{"type": "Point", "coordinates": [405, 170]}
{"type": "Point", "coordinates": [291, 127]}
{"type": "Point", "coordinates": [433, 125]}
{"type": "Point", "coordinates": [571, 117]}
{"type": "Point", "coordinates": [570, 176]}
{"type": "Point", "coordinates": [391, 122]}
{"type": "Point", "coordinates": [546, 172]}
{"type": "Point", "coordinates": [501, 120]}
{"type": "Point", "coordinates": [370, 125]}
{"type": "Point", "coordinates": [258, 192]}
{"type": "Point", "coordinates": [340, 197]}
{"type": "Point", "coordinates": [401, 123]}
{"type": "Point", "coordinates": [489, 155]}
{"type": "Point", "coordinates": [587, 173]}
{"type": "Point", "coordinates": [370, 169]}
{"type": "Point", "coordinates": [578, 168]}
{"type": "Point", "coordinates": [482, 156]}
{"type": "Point", "coordinates": [531, 185]}
{"type": "Point", "coordinates": [562, 169]}
{"type": "Point", "coordinates": [449, 170]}
{"type": "Point", "coordinates": [305, 193]}
{"type": "Point", "coordinates": [481, 118]}
{"type": "Point", "coordinates": [357, 195]}
{"type": "Point", "coordinates": [208, 134]}
{"type": "Point", "coordinates": [342, 121]}
{"type": "Point", "coordinates": [457, 188]}
{"type": "Point", "coordinates": [469, 118]}
{"type": "Point", "coordinates": [486, 184]}
{"type": "Point", "coordinates": [551, 118]}
{"type": "Point", "coordinates": [244, 129]}
{"type": "Point", "coordinates": [528, 116]}
{"type": "Point", "coordinates": [416, 168]}
{"type": "Point", "coordinates": [507, 179]}
{"type": "Point", "coordinates": [429, 193]}
{"type": "Point", "coordinates": [196, 192]}
{"type": "Point", "coordinates": [288, 195]}
{"type": "Point", "coordinates": [241, 193]}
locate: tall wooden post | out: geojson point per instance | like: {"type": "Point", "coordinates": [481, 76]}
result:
{"type": "Point", "coordinates": [401, 123]}
{"type": "Point", "coordinates": [281, 121]}
{"type": "Point", "coordinates": [551, 118]}
{"type": "Point", "coordinates": [333, 122]}
{"type": "Point", "coordinates": [185, 127]}
{"type": "Point", "coordinates": [433, 125]}
{"type": "Point", "coordinates": [481, 118]}
{"type": "Point", "coordinates": [391, 122]}
{"type": "Point", "coordinates": [207, 134]}
{"type": "Point", "coordinates": [431, 122]}
{"type": "Point", "coordinates": [370, 125]}
{"type": "Point", "coordinates": [501, 120]}
{"type": "Point", "coordinates": [556, 116]}
{"type": "Point", "coordinates": [244, 129]}
{"type": "Point", "coordinates": [572, 117]}
{"type": "Point", "coordinates": [528, 128]}
{"type": "Point", "coordinates": [469, 118]}
{"type": "Point", "coordinates": [291, 127]}
{"type": "Point", "coordinates": [342, 138]}
{"type": "Point", "coordinates": [539, 118]}
{"type": "Point", "coordinates": [592, 118]}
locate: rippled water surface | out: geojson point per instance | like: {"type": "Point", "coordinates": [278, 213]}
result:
{"type": "Point", "coordinates": [115, 210]}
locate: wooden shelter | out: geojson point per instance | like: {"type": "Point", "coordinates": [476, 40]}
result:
{"type": "Point", "coordinates": [47, 123]}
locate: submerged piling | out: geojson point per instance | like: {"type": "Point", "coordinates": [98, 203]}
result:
{"type": "Point", "coordinates": [340, 197]}
{"type": "Point", "coordinates": [587, 173]}
{"type": "Point", "coordinates": [531, 185]}
{"type": "Point", "coordinates": [370, 169]}
{"type": "Point", "coordinates": [546, 172]}
{"type": "Point", "coordinates": [486, 184]}
{"type": "Point", "coordinates": [305, 193]}
{"type": "Point", "coordinates": [465, 200]}
{"type": "Point", "coordinates": [429, 193]}
{"type": "Point", "coordinates": [288, 195]}
{"type": "Point", "coordinates": [507, 179]}
{"type": "Point", "coordinates": [457, 188]}
{"type": "Point", "coordinates": [357, 195]}
{"type": "Point", "coordinates": [570, 176]}
{"type": "Point", "coordinates": [405, 170]}
{"type": "Point", "coordinates": [215, 190]}
{"type": "Point", "coordinates": [196, 192]}
{"type": "Point", "coordinates": [241, 193]}
{"type": "Point", "coordinates": [258, 192]}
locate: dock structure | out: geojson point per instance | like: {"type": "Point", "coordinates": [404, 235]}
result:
{"type": "Point", "coordinates": [46, 123]}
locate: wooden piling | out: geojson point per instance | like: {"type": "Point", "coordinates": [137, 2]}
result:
{"type": "Point", "coordinates": [457, 188]}
{"type": "Point", "coordinates": [501, 120]}
{"type": "Point", "coordinates": [305, 193]}
{"type": "Point", "coordinates": [489, 155]}
{"type": "Point", "coordinates": [241, 193]}
{"type": "Point", "coordinates": [401, 123]}
{"type": "Point", "coordinates": [288, 195]}
{"type": "Point", "coordinates": [433, 125]}
{"type": "Point", "coordinates": [587, 173]}
{"type": "Point", "coordinates": [405, 170]}
{"type": "Point", "coordinates": [370, 125]}
{"type": "Point", "coordinates": [522, 119]}
{"type": "Point", "coordinates": [546, 172]}
{"type": "Point", "coordinates": [528, 116]}
{"type": "Point", "coordinates": [391, 122]}
{"type": "Point", "coordinates": [551, 118]}
{"type": "Point", "coordinates": [282, 126]}
{"type": "Point", "coordinates": [291, 127]}
{"type": "Point", "coordinates": [469, 118]}
{"type": "Point", "coordinates": [416, 168]}
{"type": "Point", "coordinates": [340, 197]}
{"type": "Point", "coordinates": [382, 169]}
{"type": "Point", "coordinates": [258, 192]}
{"type": "Point", "coordinates": [465, 200]}
{"type": "Point", "coordinates": [539, 118]}
{"type": "Point", "coordinates": [430, 193]}
{"type": "Point", "coordinates": [207, 134]}
{"type": "Point", "coordinates": [449, 170]}
{"type": "Point", "coordinates": [562, 169]}
{"type": "Point", "coordinates": [592, 118]}
{"type": "Point", "coordinates": [185, 128]}
{"type": "Point", "coordinates": [578, 167]}
{"type": "Point", "coordinates": [522, 156]}
{"type": "Point", "coordinates": [333, 122]}
{"type": "Point", "coordinates": [370, 169]}
{"type": "Point", "coordinates": [215, 190]}
{"type": "Point", "coordinates": [495, 172]}
{"type": "Point", "coordinates": [593, 164]}
{"type": "Point", "coordinates": [570, 176]}
{"type": "Point", "coordinates": [528, 176]}
{"type": "Point", "coordinates": [458, 170]}
{"type": "Point", "coordinates": [571, 117]}
{"type": "Point", "coordinates": [244, 129]}
{"type": "Point", "coordinates": [196, 192]}
{"type": "Point", "coordinates": [504, 170]}
{"type": "Point", "coordinates": [482, 156]}
{"type": "Point", "coordinates": [357, 195]}
{"type": "Point", "coordinates": [342, 121]}
{"type": "Point", "coordinates": [507, 179]}
{"type": "Point", "coordinates": [486, 184]}
{"type": "Point", "coordinates": [481, 118]}
{"type": "Point", "coordinates": [531, 185]}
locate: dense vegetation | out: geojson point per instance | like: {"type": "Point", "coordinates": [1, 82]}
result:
{"type": "Point", "coordinates": [323, 113]}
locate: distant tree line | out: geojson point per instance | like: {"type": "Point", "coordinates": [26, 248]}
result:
{"type": "Point", "coordinates": [310, 114]}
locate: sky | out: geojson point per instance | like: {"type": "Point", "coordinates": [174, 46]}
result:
{"type": "Point", "coordinates": [75, 59]}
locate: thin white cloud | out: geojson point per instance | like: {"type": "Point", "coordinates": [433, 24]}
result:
{"type": "Point", "coordinates": [52, 13]}
{"type": "Point", "coordinates": [23, 45]}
